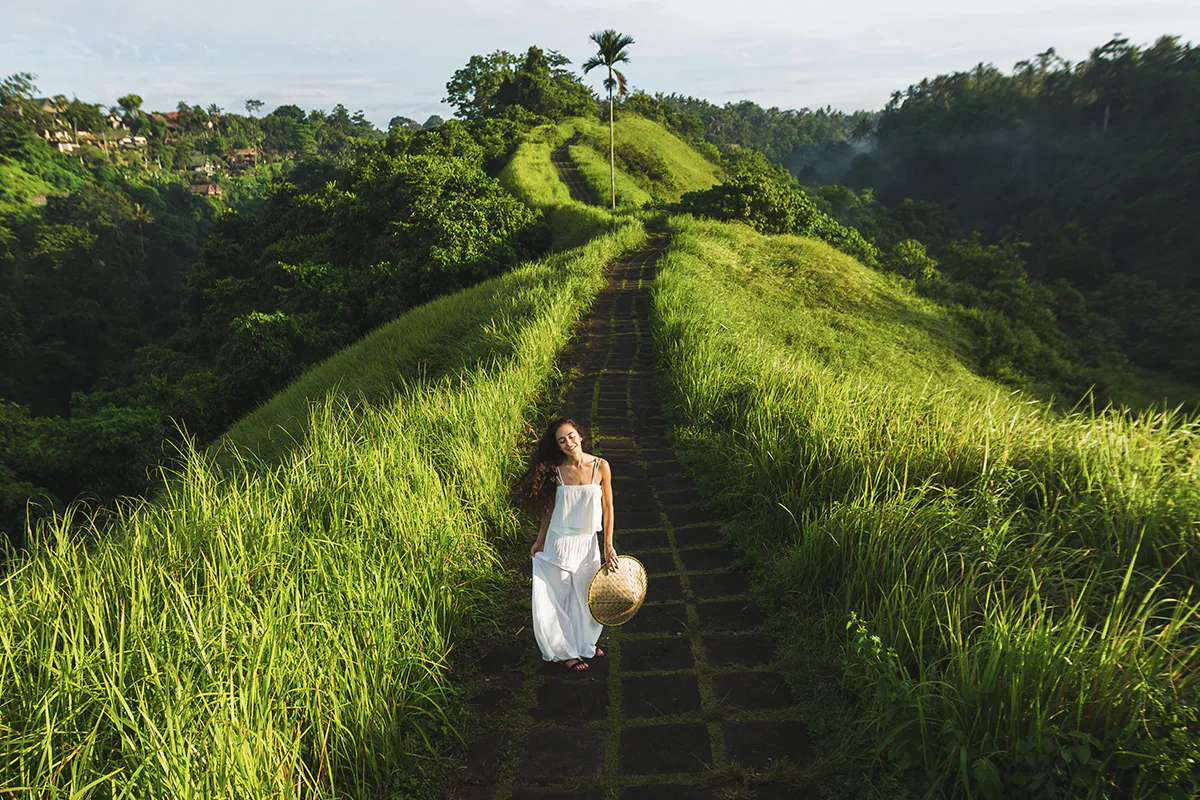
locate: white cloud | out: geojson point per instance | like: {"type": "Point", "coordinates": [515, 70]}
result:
{"type": "Point", "coordinates": [395, 58]}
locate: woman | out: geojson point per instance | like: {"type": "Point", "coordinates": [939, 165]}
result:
{"type": "Point", "coordinates": [572, 492]}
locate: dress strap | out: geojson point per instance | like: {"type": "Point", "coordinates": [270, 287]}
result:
{"type": "Point", "coordinates": [595, 464]}
{"type": "Point", "coordinates": [558, 475]}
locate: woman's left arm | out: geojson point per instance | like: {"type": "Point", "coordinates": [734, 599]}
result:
{"type": "Point", "coordinates": [606, 503]}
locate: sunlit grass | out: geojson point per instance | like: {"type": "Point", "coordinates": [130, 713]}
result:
{"type": "Point", "coordinates": [282, 629]}
{"type": "Point", "coordinates": [1012, 588]}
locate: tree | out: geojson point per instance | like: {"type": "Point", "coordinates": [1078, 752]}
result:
{"type": "Point", "coordinates": [611, 51]}
{"type": "Point", "coordinates": [131, 104]}
{"type": "Point", "coordinates": [433, 121]}
{"type": "Point", "coordinates": [402, 122]}
{"type": "Point", "coordinates": [472, 89]}
{"type": "Point", "coordinates": [253, 106]}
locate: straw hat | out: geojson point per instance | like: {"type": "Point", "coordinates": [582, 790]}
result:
{"type": "Point", "coordinates": [614, 597]}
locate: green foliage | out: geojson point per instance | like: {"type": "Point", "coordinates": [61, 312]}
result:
{"type": "Point", "coordinates": [413, 218]}
{"type": "Point", "coordinates": [780, 135]}
{"type": "Point", "coordinates": [773, 207]}
{"type": "Point", "coordinates": [1090, 163]}
{"type": "Point", "coordinates": [1011, 589]}
{"type": "Point", "coordinates": [533, 89]}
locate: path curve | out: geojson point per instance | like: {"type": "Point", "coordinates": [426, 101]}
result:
{"type": "Point", "coordinates": [568, 173]}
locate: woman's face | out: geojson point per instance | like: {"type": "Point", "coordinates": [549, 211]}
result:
{"type": "Point", "coordinates": [568, 440]}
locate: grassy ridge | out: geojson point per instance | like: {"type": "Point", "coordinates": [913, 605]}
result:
{"type": "Point", "coordinates": [282, 630]}
{"type": "Point", "coordinates": [1012, 589]}
{"type": "Point", "coordinates": [651, 162]}
{"type": "Point", "coordinates": [532, 177]}
{"type": "Point", "coordinates": [446, 336]}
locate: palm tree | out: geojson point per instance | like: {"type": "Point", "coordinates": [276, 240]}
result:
{"type": "Point", "coordinates": [611, 51]}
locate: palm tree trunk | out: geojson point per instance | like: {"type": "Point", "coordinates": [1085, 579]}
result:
{"type": "Point", "coordinates": [612, 153]}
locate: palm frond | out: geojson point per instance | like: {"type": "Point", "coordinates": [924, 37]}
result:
{"type": "Point", "coordinates": [592, 63]}
{"type": "Point", "coordinates": [622, 86]}
{"type": "Point", "coordinates": [611, 46]}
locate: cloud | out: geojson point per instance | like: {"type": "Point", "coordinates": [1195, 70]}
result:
{"type": "Point", "coordinates": [395, 58]}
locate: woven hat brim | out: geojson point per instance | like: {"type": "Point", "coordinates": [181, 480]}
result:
{"type": "Point", "coordinates": [614, 598]}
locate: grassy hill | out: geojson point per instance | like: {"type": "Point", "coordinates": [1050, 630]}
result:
{"type": "Point", "coordinates": [652, 163]}
{"type": "Point", "coordinates": [1011, 589]}
{"type": "Point", "coordinates": [282, 622]}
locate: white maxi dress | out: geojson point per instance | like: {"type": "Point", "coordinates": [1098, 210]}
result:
{"type": "Point", "coordinates": [563, 571]}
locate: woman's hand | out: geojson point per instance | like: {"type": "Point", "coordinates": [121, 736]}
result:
{"type": "Point", "coordinates": [538, 546]}
{"type": "Point", "coordinates": [610, 558]}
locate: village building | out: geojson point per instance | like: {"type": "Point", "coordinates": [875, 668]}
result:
{"type": "Point", "coordinates": [208, 189]}
{"type": "Point", "coordinates": [244, 158]}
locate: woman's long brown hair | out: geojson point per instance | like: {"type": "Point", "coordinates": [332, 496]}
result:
{"type": "Point", "coordinates": [534, 492]}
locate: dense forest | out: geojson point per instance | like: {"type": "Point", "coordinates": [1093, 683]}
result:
{"type": "Point", "coordinates": [1078, 180]}
{"type": "Point", "coordinates": [165, 273]}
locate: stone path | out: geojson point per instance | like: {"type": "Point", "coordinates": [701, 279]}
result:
{"type": "Point", "coordinates": [686, 704]}
{"type": "Point", "coordinates": [568, 173]}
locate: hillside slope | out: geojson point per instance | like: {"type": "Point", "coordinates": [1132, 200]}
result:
{"type": "Point", "coordinates": [992, 572]}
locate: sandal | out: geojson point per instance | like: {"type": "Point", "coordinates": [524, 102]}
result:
{"type": "Point", "coordinates": [575, 664]}
{"type": "Point", "coordinates": [599, 653]}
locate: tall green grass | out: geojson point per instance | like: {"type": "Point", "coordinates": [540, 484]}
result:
{"type": "Point", "coordinates": [532, 178]}
{"type": "Point", "coordinates": [652, 162]}
{"type": "Point", "coordinates": [1012, 589]}
{"type": "Point", "coordinates": [282, 630]}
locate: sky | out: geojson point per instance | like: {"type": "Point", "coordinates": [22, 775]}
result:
{"type": "Point", "coordinates": [394, 58]}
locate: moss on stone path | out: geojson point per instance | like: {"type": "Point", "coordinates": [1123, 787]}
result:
{"type": "Point", "coordinates": [687, 703]}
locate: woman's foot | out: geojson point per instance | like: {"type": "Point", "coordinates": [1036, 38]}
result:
{"type": "Point", "coordinates": [575, 664]}
{"type": "Point", "coordinates": [599, 653]}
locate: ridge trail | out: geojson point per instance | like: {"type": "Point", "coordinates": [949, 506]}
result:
{"type": "Point", "coordinates": [568, 173]}
{"type": "Point", "coordinates": [686, 704]}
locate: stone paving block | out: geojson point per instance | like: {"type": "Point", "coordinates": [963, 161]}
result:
{"type": "Point", "coordinates": [663, 469]}
{"type": "Point", "coordinates": [632, 494]}
{"type": "Point", "coordinates": [656, 563]}
{"type": "Point", "coordinates": [709, 558]}
{"type": "Point", "coordinates": [660, 695]}
{"type": "Point", "coordinates": [661, 749]}
{"type": "Point", "coordinates": [638, 519]}
{"type": "Point", "coordinates": [558, 755]}
{"type": "Point", "coordinates": [569, 701]}
{"type": "Point", "coordinates": [641, 541]}
{"type": "Point", "coordinates": [502, 658]}
{"type": "Point", "coordinates": [752, 691]}
{"type": "Point", "coordinates": [729, 615]}
{"type": "Point", "coordinates": [491, 699]}
{"type": "Point", "coordinates": [556, 793]}
{"type": "Point", "coordinates": [690, 515]}
{"type": "Point", "coordinates": [667, 618]}
{"type": "Point", "coordinates": [718, 584]}
{"type": "Point", "coordinates": [670, 791]}
{"type": "Point", "coordinates": [663, 588]}
{"type": "Point", "coordinates": [681, 497]}
{"type": "Point", "coordinates": [778, 791]}
{"type": "Point", "coordinates": [752, 650]}
{"type": "Point", "coordinates": [664, 482]}
{"type": "Point", "coordinates": [644, 655]}
{"type": "Point", "coordinates": [483, 757]}
{"type": "Point", "coordinates": [697, 535]}
{"type": "Point", "coordinates": [759, 744]}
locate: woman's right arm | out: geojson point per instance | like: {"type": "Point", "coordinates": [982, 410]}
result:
{"type": "Point", "coordinates": [540, 543]}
